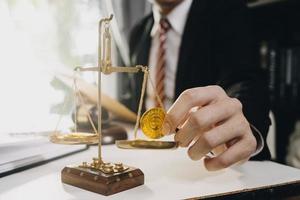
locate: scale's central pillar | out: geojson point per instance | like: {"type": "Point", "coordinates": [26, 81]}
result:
{"type": "Point", "coordinates": [99, 91]}
{"type": "Point", "coordinates": [99, 176]}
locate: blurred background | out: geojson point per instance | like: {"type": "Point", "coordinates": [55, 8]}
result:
{"type": "Point", "coordinates": [40, 38]}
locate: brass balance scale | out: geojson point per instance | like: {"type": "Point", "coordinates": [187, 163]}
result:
{"type": "Point", "coordinates": [104, 177]}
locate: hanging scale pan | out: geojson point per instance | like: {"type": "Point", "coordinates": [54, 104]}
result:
{"type": "Point", "coordinates": [151, 124]}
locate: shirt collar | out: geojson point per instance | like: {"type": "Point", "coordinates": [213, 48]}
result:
{"type": "Point", "coordinates": [177, 17]}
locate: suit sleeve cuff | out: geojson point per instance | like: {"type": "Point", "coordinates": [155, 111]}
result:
{"type": "Point", "coordinates": [259, 139]}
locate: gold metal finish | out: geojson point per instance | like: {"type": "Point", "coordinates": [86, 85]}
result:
{"type": "Point", "coordinates": [110, 69]}
{"type": "Point", "coordinates": [107, 168]}
{"type": "Point", "coordinates": [74, 138]}
{"type": "Point", "coordinates": [146, 144]}
{"type": "Point", "coordinates": [146, 72]}
{"type": "Point", "coordinates": [151, 123]}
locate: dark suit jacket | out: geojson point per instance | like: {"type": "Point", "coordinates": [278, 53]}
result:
{"type": "Point", "coordinates": [216, 49]}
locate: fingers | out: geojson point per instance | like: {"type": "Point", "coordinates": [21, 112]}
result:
{"type": "Point", "coordinates": [221, 134]}
{"type": "Point", "coordinates": [218, 121]}
{"type": "Point", "coordinates": [186, 101]}
{"type": "Point", "coordinates": [204, 119]}
{"type": "Point", "coordinates": [237, 153]}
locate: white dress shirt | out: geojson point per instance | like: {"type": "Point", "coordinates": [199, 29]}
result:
{"type": "Point", "coordinates": [177, 19]}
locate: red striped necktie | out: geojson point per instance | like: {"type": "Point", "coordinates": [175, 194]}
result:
{"type": "Point", "coordinates": [164, 26]}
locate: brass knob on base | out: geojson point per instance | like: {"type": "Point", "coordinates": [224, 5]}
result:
{"type": "Point", "coordinates": [108, 168]}
{"type": "Point", "coordinates": [96, 163]}
{"type": "Point", "coordinates": [119, 167]}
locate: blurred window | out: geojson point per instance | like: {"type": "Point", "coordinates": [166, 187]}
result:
{"type": "Point", "coordinates": [38, 38]}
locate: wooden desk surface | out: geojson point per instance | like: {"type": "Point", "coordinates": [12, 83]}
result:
{"type": "Point", "coordinates": [169, 174]}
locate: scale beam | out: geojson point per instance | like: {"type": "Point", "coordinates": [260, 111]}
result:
{"type": "Point", "coordinates": [111, 69]}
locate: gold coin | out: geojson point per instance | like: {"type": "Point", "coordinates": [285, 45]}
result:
{"type": "Point", "coordinates": [151, 123]}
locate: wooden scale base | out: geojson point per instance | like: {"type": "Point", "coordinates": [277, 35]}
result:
{"type": "Point", "coordinates": [102, 183]}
